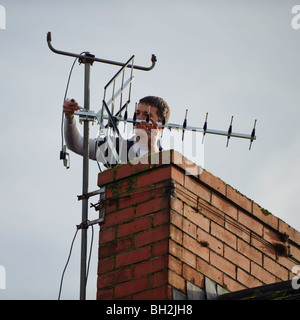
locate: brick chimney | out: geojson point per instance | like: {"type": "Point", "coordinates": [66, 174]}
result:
{"type": "Point", "coordinates": [174, 231]}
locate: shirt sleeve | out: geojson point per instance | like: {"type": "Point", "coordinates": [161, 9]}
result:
{"type": "Point", "coordinates": [74, 139]}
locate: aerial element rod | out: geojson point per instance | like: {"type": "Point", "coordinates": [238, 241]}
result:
{"type": "Point", "coordinates": [184, 127]}
{"type": "Point", "coordinates": [93, 58]}
{"type": "Point", "coordinates": [229, 131]}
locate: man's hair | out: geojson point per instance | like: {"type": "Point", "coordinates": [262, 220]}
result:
{"type": "Point", "coordinates": [163, 109]}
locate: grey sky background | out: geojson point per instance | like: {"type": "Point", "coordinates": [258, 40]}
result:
{"type": "Point", "coordinates": [224, 57]}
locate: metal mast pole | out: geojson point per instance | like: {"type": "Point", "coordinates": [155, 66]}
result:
{"type": "Point", "coordinates": [88, 60]}
{"type": "Point", "coordinates": [85, 177]}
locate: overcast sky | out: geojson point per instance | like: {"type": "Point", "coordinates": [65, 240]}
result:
{"type": "Point", "coordinates": [225, 57]}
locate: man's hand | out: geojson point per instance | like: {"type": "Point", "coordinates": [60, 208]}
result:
{"type": "Point", "coordinates": [69, 107]}
{"type": "Point", "coordinates": [152, 131]}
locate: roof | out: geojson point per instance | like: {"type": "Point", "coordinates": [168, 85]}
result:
{"type": "Point", "coordinates": [275, 291]}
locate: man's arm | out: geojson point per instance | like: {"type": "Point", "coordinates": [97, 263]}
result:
{"type": "Point", "coordinates": [73, 138]}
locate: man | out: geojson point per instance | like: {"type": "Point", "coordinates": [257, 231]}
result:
{"type": "Point", "coordinates": [146, 138]}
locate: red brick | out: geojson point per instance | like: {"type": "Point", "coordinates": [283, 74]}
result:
{"type": "Point", "coordinates": [135, 198]}
{"type": "Point", "coordinates": [236, 228]}
{"type": "Point", "coordinates": [131, 287]}
{"type": "Point", "coordinates": [189, 167]}
{"type": "Point", "coordinates": [182, 254]}
{"type": "Point", "coordinates": [177, 175]}
{"type": "Point", "coordinates": [131, 257]}
{"type": "Point", "coordinates": [193, 185]}
{"type": "Point", "coordinates": [110, 206]}
{"type": "Point", "coordinates": [224, 206]}
{"type": "Point", "coordinates": [194, 246]}
{"type": "Point", "coordinates": [205, 229]}
{"type": "Point", "coordinates": [129, 169]}
{"type": "Point", "coordinates": [152, 205]}
{"type": "Point", "coordinates": [271, 236]}
{"type": "Point", "coordinates": [223, 264]}
{"type": "Point", "coordinates": [114, 277]}
{"type": "Point", "coordinates": [196, 217]}
{"type": "Point", "coordinates": [291, 232]}
{"type": "Point", "coordinates": [210, 271]}
{"type": "Point", "coordinates": [213, 243]}
{"type": "Point", "coordinates": [106, 235]}
{"type": "Point", "coordinates": [161, 217]}
{"type": "Point", "coordinates": [176, 219]}
{"type": "Point", "coordinates": [249, 251]}
{"type": "Point", "coordinates": [232, 285]}
{"type": "Point", "coordinates": [250, 223]}
{"type": "Point", "coordinates": [162, 189]}
{"type": "Point", "coordinates": [176, 205]}
{"type": "Point", "coordinates": [176, 235]}
{"type": "Point", "coordinates": [263, 246]}
{"type": "Point", "coordinates": [186, 196]}
{"type": "Point", "coordinates": [175, 265]}
{"type": "Point", "coordinates": [193, 276]}
{"type": "Point", "coordinates": [160, 248]}
{"type": "Point", "coordinates": [152, 236]}
{"type": "Point", "coordinates": [224, 235]}
{"type": "Point", "coordinates": [213, 181]}
{"type": "Point", "coordinates": [237, 258]}
{"type": "Point", "coordinates": [115, 247]}
{"type": "Point", "coordinates": [177, 281]}
{"type": "Point", "coordinates": [106, 177]}
{"type": "Point", "coordinates": [262, 274]}
{"type": "Point", "coordinates": [265, 216]}
{"type": "Point", "coordinates": [276, 269]}
{"type": "Point", "coordinates": [118, 217]}
{"type": "Point", "coordinates": [247, 280]}
{"type": "Point", "coordinates": [106, 265]}
{"type": "Point", "coordinates": [159, 278]}
{"type": "Point", "coordinates": [189, 228]}
{"type": "Point", "coordinates": [288, 262]}
{"type": "Point", "coordinates": [153, 294]}
{"type": "Point", "coordinates": [295, 253]}
{"type": "Point", "coordinates": [211, 212]}
{"type": "Point", "coordinates": [156, 175]}
{"type": "Point", "coordinates": [120, 187]}
{"type": "Point", "coordinates": [239, 199]}
{"type": "Point", "coordinates": [150, 266]}
{"type": "Point", "coordinates": [105, 294]}
{"type": "Point", "coordinates": [134, 226]}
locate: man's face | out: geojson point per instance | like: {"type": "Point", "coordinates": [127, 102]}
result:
{"type": "Point", "coordinates": [143, 130]}
{"type": "Point", "coordinates": [142, 112]}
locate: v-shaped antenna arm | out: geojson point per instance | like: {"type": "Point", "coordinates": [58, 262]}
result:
{"type": "Point", "coordinates": [92, 58]}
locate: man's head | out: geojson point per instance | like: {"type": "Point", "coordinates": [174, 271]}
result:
{"type": "Point", "coordinates": [159, 109]}
{"type": "Point", "coordinates": [147, 133]}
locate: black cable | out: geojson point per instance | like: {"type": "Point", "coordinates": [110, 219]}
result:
{"type": "Point", "coordinates": [62, 153]}
{"type": "Point", "coordinates": [90, 255]}
{"type": "Point", "coordinates": [63, 274]}
{"type": "Point", "coordinates": [65, 97]}
{"type": "Point", "coordinates": [89, 260]}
